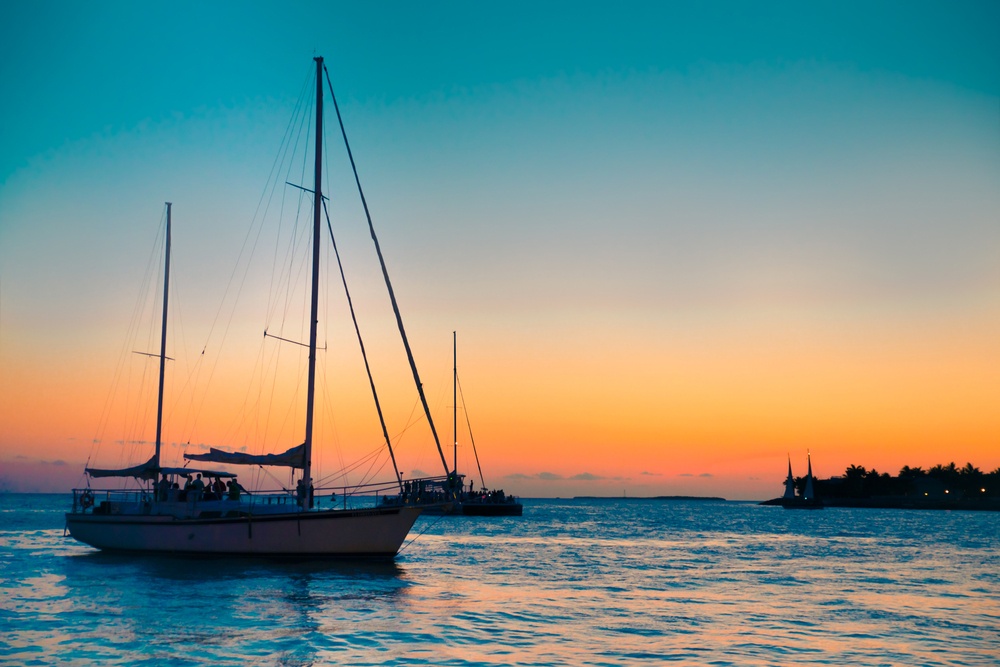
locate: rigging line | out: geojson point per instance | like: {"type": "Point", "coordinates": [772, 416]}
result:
{"type": "Point", "coordinates": [364, 354]}
{"type": "Point", "coordinates": [369, 477]}
{"type": "Point", "coordinates": [152, 354]}
{"type": "Point", "coordinates": [347, 470]}
{"type": "Point", "coordinates": [288, 340]}
{"type": "Point", "coordinates": [130, 338]}
{"type": "Point", "coordinates": [421, 533]}
{"type": "Point", "coordinates": [298, 234]}
{"type": "Point", "coordinates": [285, 282]}
{"type": "Point", "coordinates": [300, 120]}
{"type": "Point", "coordinates": [312, 192]}
{"type": "Point", "coordinates": [468, 423]}
{"type": "Point", "coordinates": [410, 423]}
{"type": "Point", "coordinates": [385, 274]}
{"type": "Point", "coordinates": [329, 424]}
{"type": "Point", "coordinates": [272, 364]}
{"type": "Point", "coordinates": [267, 473]}
{"type": "Point", "coordinates": [258, 215]}
{"type": "Point", "coordinates": [178, 331]}
{"type": "Point", "coordinates": [268, 194]}
{"type": "Point", "coordinates": [285, 278]}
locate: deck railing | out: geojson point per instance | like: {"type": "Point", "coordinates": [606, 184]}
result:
{"type": "Point", "coordinates": [416, 491]}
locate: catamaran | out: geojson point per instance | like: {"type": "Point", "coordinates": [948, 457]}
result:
{"type": "Point", "coordinates": [220, 517]}
{"type": "Point", "coordinates": [468, 501]}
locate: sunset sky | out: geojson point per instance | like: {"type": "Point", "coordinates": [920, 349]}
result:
{"type": "Point", "coordinates": [679, 242]}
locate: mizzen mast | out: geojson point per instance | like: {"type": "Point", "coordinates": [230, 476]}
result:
{"type": "Point", "coordinates": [304, 499]}
{"type": "Point", "coordinates": [454, 393]}
{"type": "Point", "coordinates": [163, 343]}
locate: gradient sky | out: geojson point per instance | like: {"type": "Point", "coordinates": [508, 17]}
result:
{"type": "Point", "coordinates": [679, 241]}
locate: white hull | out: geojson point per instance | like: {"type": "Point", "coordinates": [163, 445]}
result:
{"type": "Point", "coordinates": [360, 533]}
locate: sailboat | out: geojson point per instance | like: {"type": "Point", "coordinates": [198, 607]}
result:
{"type": "Point", "coordinates": [806, 501]}
{"type": "Point", "coordinates": [222, 519]}
{"type": "Point", "coordinates": [789, 482]}
{"type": "Point", "coordinates": [469, 501]}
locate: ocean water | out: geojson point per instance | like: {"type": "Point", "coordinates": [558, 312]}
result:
{"type": "Point", "coordinates": [572, 582]}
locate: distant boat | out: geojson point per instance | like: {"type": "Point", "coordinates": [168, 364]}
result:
{"type": "Point", "coordinates": [468, 501]}
{"type": "Point", "coordinates": [791, 501]}
{"type": "Point", "coordinates": [211, 520]}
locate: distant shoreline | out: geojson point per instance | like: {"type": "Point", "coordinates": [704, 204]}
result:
{"type": "Point", "coordinates": [705, 498]}
{"type": "Point", "coordinates": [905, 503]}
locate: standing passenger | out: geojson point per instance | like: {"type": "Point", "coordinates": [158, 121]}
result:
{"type": "Point", "coordinates": [197, 487]}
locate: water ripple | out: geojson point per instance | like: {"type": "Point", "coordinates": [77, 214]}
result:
{"type": "Point", "coordinates": [570, 583]}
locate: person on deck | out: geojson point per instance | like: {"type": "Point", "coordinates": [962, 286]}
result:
{"type": "Point", "coordinates": [234, 489]}
{"type": "Point", "coordinates": [197, 487]}
{"type": "Point", "coordinates": [162, 488]}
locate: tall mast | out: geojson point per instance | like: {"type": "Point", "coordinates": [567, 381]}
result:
{"type": "Point", "coordinates": [454, 393]}
{"type": "Point", "coordinates": [314, 312]}
{"type": "Point", "coordinates": [163, 342]}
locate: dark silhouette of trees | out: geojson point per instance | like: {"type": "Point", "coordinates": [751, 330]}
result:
{"type": "Point", "coordinates": [944, 481]}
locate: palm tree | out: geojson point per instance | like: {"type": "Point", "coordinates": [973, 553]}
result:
{"type": "Point", "coordinates": [855, 479]}
{"type": "Point", "coordinates": [970, 471]}
{"type": "Point", "coordinates": [855, 472]}
{"type": "Point", "coordinates": [944, 473]}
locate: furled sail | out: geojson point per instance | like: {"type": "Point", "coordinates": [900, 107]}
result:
{"type": "Point", "coordinates": [145, 470]}
{"type": "Point", "coordinates": [789, 482]}
{"type": "Point", "coordinates": [293, 458]}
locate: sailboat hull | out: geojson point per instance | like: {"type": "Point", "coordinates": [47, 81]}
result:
{"type": "Point", "coordinates": [362, 533]}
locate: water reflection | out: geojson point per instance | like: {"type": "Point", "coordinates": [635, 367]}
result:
{"type": "Point", "coordinates": [629, 583]}
{"type": "Point", "coordinates": [209, 610]}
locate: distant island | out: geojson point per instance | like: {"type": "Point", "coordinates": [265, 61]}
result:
{"type": "Point", "coordinates": [939, 487]}
{"type": "Point", "coordinates": [708, 498]}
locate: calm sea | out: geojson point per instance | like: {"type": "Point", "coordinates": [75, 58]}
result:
{"type": "Point", "coordinates": [573, 582]}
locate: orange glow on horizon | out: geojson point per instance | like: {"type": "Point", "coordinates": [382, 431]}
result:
{"type": "Point", "coordinates": [659, 410]}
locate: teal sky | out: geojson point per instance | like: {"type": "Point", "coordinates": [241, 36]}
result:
{"type": "Point", "coordinates": [533, 123]}
{"type": "Point", "coordinates": [549, 177]}
{"type": "Point", "coordinates": [73, 69]}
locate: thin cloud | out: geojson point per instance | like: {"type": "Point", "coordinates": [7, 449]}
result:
{"type": "Point", "coordinates": [545, 476]}
{"type": "Point", "coordinates": [28, 459]}
{"type": "Point", "coordinates": [553, 477]}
